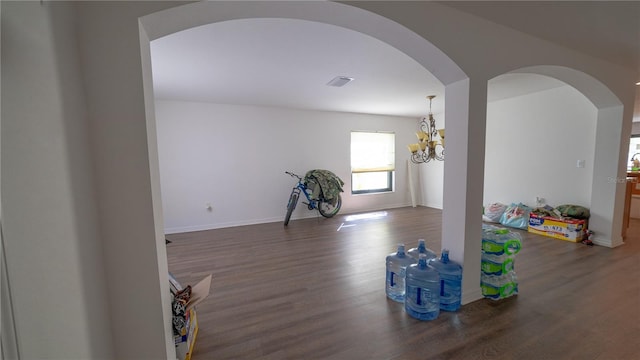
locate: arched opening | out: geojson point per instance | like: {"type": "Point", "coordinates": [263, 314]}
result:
{"type": "Point", "coordinates": [239, 102]}
{"type": "Point", "coordinates": [426, 54]}
{"type": "Point", "coordinates": [567, 113]}
{"type": "Point", "coordinates": [534, 141]}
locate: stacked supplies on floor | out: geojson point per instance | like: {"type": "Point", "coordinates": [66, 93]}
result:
{"type": "Point", "coordinates": [184, 320]}
{"type": "Point", "coordinates": [498, 277]}
{"type": "Point", "coordinates": [565, 222]}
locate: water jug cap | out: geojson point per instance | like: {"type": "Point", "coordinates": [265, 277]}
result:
{"type": "Point", "coordinates": [422, 261]}
{"type": "Point", "coordinates": [445, 256]}
{"type": "Point", "coordinates": [401, 249]}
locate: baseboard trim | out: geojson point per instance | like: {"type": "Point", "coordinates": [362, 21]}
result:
{"type": "Point", "coordinates": [471, 296]}
{"type": "Point", "coordinates": [434, 206]}
{"type": "Point", "coordinates": [618, 242]}
{"type": "Point", "coordinates": [185, 229]}
{"type": "Point", "coordinates": [306, 215]}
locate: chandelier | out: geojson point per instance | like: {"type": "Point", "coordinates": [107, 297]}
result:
{"type": "Point", "coordinates": [428, 147]}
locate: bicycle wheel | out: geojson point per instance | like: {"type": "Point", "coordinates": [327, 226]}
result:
{"type": "Point", "coordinates": [293, 201]}
{"type": "Point", "coordinates": [328, 209]}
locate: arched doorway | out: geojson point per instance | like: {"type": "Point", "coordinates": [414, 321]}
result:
{"type": "Point", "coordinates": [604, 196]}
{"type": "Point", "coordinates": [456, 82]}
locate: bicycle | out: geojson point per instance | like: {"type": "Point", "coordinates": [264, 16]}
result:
{"type": "Point", "coordinates": [326, 208]}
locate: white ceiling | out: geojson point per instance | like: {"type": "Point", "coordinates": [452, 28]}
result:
{"type": "Point", "coordinates": [609, 30]}
{"type": "Point", "coordinates": [287, 63]}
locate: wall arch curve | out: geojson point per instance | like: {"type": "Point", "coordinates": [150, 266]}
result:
{"type": "Point", "coordinates": [176, 19]}
{"type": "Point", "coordinates": [460, 240]}
{"type": "Point", "coordinates": [607, 194]}
{"type": "Point", "coordinates": [598, 93]}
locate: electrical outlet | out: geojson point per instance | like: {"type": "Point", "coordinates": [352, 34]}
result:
{"type": "Point", "coordinates": [580, 164]}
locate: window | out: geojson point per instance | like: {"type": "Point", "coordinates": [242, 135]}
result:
{"type": "Point", "coordinates": [634, 150]}
{"type": "Point", "coordinates": [372, 162]}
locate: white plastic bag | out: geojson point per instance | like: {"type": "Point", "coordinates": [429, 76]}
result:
{"type": "Point", "coordinates": [493, 212]}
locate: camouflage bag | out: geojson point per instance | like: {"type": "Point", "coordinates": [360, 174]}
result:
{"type": "Point", "coordinates": [574, 211]}
{"type": "Point", "coordinates": [324, 184]}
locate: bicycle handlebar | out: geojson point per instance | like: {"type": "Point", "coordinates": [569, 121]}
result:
{"type": "Point", "coordinates": [293, 175]}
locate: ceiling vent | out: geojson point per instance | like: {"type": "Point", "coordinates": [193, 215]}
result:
{"type": "Point", "coordinates": [339, 81]}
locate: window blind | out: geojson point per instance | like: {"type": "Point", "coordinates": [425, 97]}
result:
{"type": "Point", "coordinates": [372, 151]}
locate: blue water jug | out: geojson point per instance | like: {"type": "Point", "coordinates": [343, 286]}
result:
{"type": "Point", "coordinates": [422, 294]}
{"type": "Point", "coordinates": [396, 268]}
{"type": "Point", "coordinates": [421, 249]}
{"type": "Point", "coordinates": [450, 281]}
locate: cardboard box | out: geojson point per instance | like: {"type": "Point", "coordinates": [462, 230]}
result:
{"type": "Point", "coordinates": [567, 229]}
{"type": "Point", "coordinates": [185, 342]}
{"type": "Point", "coordinates": [199, 292]}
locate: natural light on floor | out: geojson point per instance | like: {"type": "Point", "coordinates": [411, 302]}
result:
{"type": "Point", "coordinates": [365, 216]}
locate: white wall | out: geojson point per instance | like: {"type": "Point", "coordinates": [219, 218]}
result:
{"type": "Point", "coordinates": [127, 190]}
{"type": "Point", "coordinates": [234, 158]}
{"type": "Point", "coordinates": [36, 168]}
{"type": "Point", "coordinates": [533, 144]}
{"type": "Point", "coordinates": [49, 217]}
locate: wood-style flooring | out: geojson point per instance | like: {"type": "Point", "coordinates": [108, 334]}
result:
{"type": "Point", "coordinates": [315, 290]}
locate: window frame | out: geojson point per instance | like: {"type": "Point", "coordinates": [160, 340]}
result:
{"type": "Point", "coordinates": [629, 166]}
{"type": "Point", "coordinates": [389, 169]}
{"type": "Point", "coordinates": [389, 188]}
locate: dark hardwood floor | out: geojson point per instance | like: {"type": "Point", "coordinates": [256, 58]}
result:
{"type": "Point", "coordinates": [315, 290]}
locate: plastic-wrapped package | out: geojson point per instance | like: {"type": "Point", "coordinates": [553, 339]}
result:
{"type": "Point", "coordinates": [499, 247]}
{"type": "Point", "coordinates": [493, 212]}
{"type": "Point", "coordinates": [516, 216]}
{"type": "Point", "coordinates": [499, 287]}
